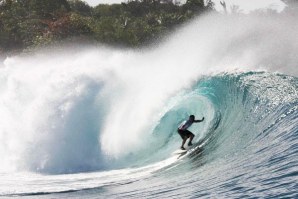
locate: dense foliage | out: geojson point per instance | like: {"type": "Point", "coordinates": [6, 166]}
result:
{"type": "Point", "coordinates": [26, 24]}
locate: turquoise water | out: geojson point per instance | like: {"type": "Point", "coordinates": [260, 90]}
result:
{"type": "Point", "coordinates": [101, 123]}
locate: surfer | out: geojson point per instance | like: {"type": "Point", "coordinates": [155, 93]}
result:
{"type": "Point", "coordinates": [184, 133]}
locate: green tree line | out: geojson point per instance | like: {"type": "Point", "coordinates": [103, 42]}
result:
{"type": "Point", "coordinates": [26, 24]}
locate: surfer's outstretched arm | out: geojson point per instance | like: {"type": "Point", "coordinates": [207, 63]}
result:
{"type": "Point", "coordinates": [200, 120]}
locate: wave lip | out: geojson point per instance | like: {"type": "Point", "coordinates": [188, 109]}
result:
{"type": "Point", "coordinates": [103, 110]}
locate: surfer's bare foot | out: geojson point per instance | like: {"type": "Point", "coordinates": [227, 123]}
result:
{"type": "Point", "coordinates": [189, 144]}
{"type": "Point", "coordinates": [182, 148]}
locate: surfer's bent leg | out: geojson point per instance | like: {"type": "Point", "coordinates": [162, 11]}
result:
{"type": "Point", "coordinates": [184, 135]}
{"type": "Point", "coordinates": [191, 136]}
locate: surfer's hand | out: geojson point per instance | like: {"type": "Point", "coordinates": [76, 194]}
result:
{"type": "Point", "coordinates": [203, 119]}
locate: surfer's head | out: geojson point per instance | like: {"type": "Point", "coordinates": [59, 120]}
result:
{"type": "Point", "coordinates": [192, 117]}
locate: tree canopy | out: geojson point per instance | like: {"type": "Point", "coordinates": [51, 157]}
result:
{"type": "Point", "coordinates": [26, 24]}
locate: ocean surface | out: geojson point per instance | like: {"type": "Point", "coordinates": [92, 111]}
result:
{"type": "Point", "coordinates": [99, 122]}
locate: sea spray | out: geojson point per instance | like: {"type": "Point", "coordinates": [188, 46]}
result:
{"type": "Point", "coordinates": [92, 109]}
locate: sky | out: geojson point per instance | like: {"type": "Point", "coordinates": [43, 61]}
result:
{"type": "Point", "coordinates": [245, 5]}
{"type": "Point", "coordinates": [96, 2]}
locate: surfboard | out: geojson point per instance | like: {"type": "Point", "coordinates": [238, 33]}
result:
{"type": "Point", "coordinates": [181, 152]}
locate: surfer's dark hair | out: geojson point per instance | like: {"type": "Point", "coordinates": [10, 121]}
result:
{"type": "Point", "coordinates": [192, 116]}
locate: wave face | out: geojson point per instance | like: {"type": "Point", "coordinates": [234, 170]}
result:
{"type": "Point", "coordinates": [108, 118]}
